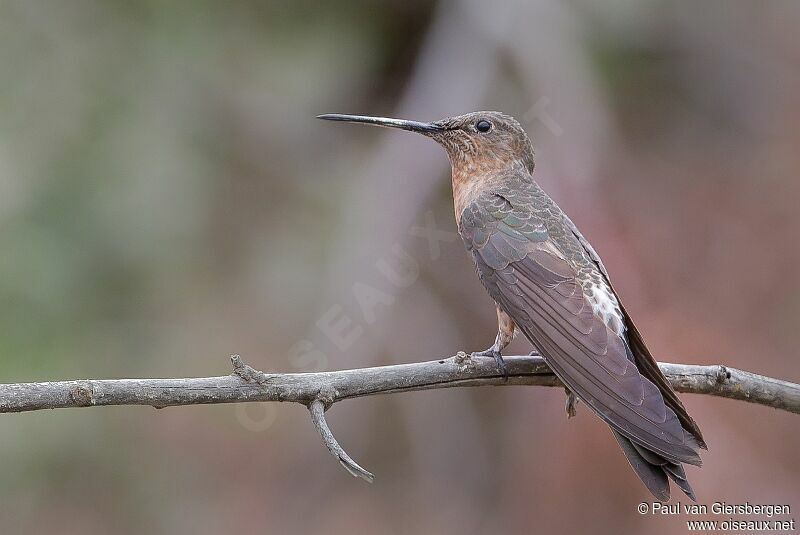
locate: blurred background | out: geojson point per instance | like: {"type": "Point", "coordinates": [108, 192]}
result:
{"type": "Point", "coordinates": [167, 198]}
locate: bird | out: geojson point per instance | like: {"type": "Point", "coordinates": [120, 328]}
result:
{"type": "Point", "coordinates": [549, 283]}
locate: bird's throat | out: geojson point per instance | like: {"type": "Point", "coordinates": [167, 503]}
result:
{"type": "Point", "coordinates": [472, 178]}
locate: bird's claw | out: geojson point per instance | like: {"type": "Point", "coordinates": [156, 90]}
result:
{"type": "Point", "coordinates": [571, 404]}
{"type": "Point", "coordinates": [498, 358]}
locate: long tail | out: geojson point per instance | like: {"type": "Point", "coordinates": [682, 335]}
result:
{"type": "Point", "coordinates": [654, 471]}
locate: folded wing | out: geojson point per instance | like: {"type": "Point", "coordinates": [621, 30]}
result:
{"type": "Point", "coordinates": [544, 278]}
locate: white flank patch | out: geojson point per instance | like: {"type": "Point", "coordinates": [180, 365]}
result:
{"type": "Point", "coordinates": [605, 306]}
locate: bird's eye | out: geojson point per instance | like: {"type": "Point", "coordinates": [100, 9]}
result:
{"type": "Point", "coordinates": [483, 126]}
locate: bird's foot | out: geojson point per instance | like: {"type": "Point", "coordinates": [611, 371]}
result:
{"type": "Point", "coordinates": [572, 403]}
{"type": "Point", "coordinates": [498, 358]}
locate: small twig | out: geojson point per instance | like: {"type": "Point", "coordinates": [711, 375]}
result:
{"type": "Point", "coordinates": [248, 373]}
{"type": "Point", "coordinates": [317, 410]}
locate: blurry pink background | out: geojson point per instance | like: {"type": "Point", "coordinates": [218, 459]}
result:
{"type": "Point", "coordinates": [167, 198]}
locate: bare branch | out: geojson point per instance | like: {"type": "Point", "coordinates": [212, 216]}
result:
{"type": "Point", "coordinates": [731, 383]}
{"type": "Point", "coordinates": [247, 384]}
{"type": "Point", "coordinates": [318, 391]}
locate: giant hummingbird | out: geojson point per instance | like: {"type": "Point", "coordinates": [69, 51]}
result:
{"type": "Point", "coordinates": [548, 282]}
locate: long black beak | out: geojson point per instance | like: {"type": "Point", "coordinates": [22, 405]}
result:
{"type": "Point", "coordinates": [413, 126]}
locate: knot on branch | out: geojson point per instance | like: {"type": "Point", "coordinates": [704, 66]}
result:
{"type": "Point", "coordinates": [248, 373]}
{"type": "Point", "coordinates": [464, 361]}
{"type": "Point", "coordinates": [82, 394]}
{"type": "Point", "coordinates": [722, 374]}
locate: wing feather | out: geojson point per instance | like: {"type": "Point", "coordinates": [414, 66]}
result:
{"type": "Point", "coordinates": [540, 282]}
{"type": "Point", "coordinates": [644, 359]}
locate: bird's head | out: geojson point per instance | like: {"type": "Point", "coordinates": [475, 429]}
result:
{"type": "Point", "coordinates": [481, 138]}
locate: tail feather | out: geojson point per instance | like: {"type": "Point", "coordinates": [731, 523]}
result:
{"type": "Point", "coordinates": [653, 477]}
{"type": "Point", "coordinates": [649, 456]}
{"type": "Point", "coordinates": [654, 471]}
{"type": "Point", "coordinates": [678, 475]}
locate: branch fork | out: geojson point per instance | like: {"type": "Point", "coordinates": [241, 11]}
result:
{"type": "Point", "coordinates": [317, 407]}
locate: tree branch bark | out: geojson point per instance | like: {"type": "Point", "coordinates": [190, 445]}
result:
{"type": "Point", "coordinates": [318, 391]}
